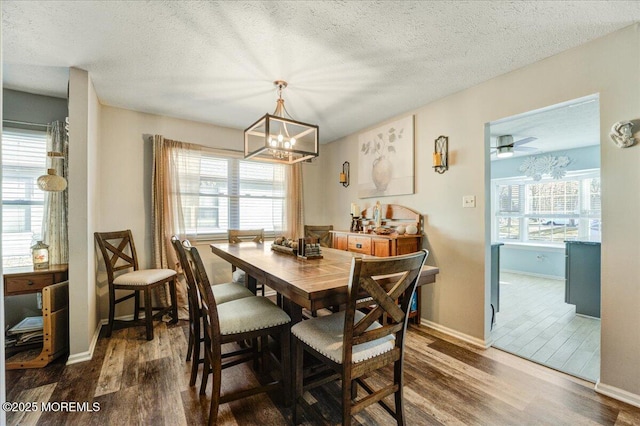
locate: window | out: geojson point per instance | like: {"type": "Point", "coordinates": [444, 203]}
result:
{"type": "Point", "coordinates": [24, 155]}
{"type": "Point", "coordinates": [219, 193]}
{"type": "Point", "coordinates": [548, 211]}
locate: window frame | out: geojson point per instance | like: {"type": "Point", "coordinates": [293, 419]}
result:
{"type": "Point", "coordinates": [583, 218]}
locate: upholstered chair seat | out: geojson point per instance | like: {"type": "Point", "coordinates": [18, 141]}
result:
{"type": "Point", "coordinates": [238, 276]}
{"type": "Point", "coordinates": [326, 335]}
{"type": "Point", "coordinates": [228, 292]}
{"type": "Point", "coordinates": [249, 314]}
{"type": "Point", "coordinates": [144, 277]}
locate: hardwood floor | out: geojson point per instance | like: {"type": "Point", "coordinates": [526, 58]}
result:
{"type": "Point", "coordinates": [535, 323]}
{"type": "Point", "coordinates": [446, 382]}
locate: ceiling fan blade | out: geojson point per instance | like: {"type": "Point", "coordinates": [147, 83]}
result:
{"type": "Point", "coordinates": [525, 140]}
{"type": "Point", "coordinates": [525, 148]}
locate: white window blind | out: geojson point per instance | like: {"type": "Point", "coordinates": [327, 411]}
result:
{"type": "Point", "coordinates": [219, 193]}
{"type": "Point", "coordinates": [24, 155]}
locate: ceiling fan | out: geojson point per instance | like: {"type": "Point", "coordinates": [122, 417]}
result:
{"type": "Point", "coordinates": [505, 145]}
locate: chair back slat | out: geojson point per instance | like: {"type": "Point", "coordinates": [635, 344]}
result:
{"type": "Point", "coordinates": [239, 235]}
{"type": "Point", "coordinates": [187, 271]}
{"type": "Point", "coordinates": [118, 251]}
{"type": "Point", "coordinates": [390, 282]}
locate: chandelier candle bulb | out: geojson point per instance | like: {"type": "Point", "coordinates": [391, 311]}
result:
{"type": "Point", "coordinates": [437, 159]}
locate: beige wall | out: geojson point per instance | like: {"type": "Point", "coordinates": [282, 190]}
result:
{"type": "Point", "coordinates": [84, 194]}
{"type": "Point", "coordinates": [458, 237]}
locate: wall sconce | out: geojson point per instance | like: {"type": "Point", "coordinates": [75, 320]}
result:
{"type": "Point", "coordinates": [441, 154]}
{"type": "Point", "coordinates": [344, 176]}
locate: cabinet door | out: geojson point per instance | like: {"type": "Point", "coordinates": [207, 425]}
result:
{"type": "Point", "coordinates": [381, 247]}
{"type": "Point", "coordinates": [340, 242]}
{"type": "Point", "coordinates": [408, 245]}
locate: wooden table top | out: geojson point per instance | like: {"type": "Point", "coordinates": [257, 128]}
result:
{"type": "Point", "coordinates": [312, 284]}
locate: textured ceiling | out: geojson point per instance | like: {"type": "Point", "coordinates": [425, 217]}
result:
{"type": "Point", "coordinates": [349, 64]}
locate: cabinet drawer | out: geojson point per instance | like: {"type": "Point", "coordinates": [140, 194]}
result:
{"type": "Point", "coordinates": [360, 244]}
{"type": "Point", "coordinates": [27, 284]}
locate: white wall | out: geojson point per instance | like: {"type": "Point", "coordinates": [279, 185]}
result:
{"type": "Point", "coordinates": [458, 238]}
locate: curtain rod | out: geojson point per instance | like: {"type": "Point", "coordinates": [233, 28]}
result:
{"type": "Point", "coordinates": [24, 123]}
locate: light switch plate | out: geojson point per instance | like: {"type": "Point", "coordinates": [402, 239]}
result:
{"type": "Point", "coordinates": [468, 201]}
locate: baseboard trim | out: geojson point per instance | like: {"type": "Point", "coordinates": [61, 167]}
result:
{"type": "Point", "coordinates": [458, 335]}
{"type": "Point", "coordinates": [619, 394]}
{"type": "Point", "coordinates": [88, 355]}
{"type": "Point", "coordinates": [533, 274]}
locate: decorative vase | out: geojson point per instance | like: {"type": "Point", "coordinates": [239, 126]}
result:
{"type": "Point", "coordinates": [401, 230]}
{"type": "Point", "coordinates": [381, 173]}
{"type": "Point", "coordinates": [412, 229]}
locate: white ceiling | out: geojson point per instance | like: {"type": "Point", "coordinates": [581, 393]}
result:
{"type": "Point", "coordinates": [573, 124]}
{"type": "Point", "coordinates": [349, 64]}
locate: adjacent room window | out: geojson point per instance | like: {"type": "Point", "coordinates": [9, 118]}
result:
{"type": "Point", "coordinates": [230, 193]}
{"type": "Point", "coordinates": [548, 211]}
{"type": "Point", "coordinates": [24, 155]}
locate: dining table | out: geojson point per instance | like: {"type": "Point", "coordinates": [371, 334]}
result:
{"type": "Point", "coordinates": [303, 283]}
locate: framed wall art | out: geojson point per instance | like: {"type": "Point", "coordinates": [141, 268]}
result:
{"type": "Point", "coordinates": [385, 158]}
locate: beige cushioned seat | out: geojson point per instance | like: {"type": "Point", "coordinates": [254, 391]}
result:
{"type": "Point", "coordinates": [249, 314]}
{"type": "Point", "coordinates": [230, 291]}
{"type": "Point", "coordinates": [325, 334]}
{"type": "Point", "coordinates": [238, 276]}
{"type": "Point", "coordinates": [144, 277]}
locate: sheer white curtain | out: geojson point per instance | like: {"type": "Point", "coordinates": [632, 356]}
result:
{"type": "Point", "coordinates": [56, 204]}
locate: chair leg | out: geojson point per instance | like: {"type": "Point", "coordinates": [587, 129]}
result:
{"type": "Point", "coordinates": [174, 301]}
{"type": "Point", "coordinates": [196, 353]}
{"type": "Point", "coordinates": [191, 343]}
{"type": "Point", "coordinates": [264, 350]}
{"type": "Point", "coordinates": [346, 400]}
{"type": "Point", "coordinates": [112, 310]}
{"type": "Point", "coordinates": [215, 395]}
{"type": "Point", "coordinates": [398, 378]}
{"type": "Point", "coordinates": [298, 355]}
{"type": "Point", "coordinates": [148, 313]}
{"type": "Point", "coordinates": [206, 370]}
{"type": "Point", "coordinates": [136, 308]}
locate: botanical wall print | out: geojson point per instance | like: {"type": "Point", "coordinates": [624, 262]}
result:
{"type": "Point", "coordinates": [386, 160]}
{"type": "Point", "coordinates": [535, 167]}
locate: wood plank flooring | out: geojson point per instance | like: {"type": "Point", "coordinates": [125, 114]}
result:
{"type": "Point", "coordinates": [446, 382]}
{"type": "Point", "coordinates": [535, 323]}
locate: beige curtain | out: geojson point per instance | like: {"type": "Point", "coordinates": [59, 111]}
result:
{"type": "Point", "coordinates": [167, 215]}
{"type": "Point", "coordinates": [294, 202]}
{"type": "Point", "coordinates": [56, 204]}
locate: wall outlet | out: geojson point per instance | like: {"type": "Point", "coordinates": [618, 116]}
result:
{"type": "Point", "coordinates": [468, 201]}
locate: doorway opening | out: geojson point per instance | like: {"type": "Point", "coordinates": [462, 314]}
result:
{"type": "Point", "coordinates": [545, 221]}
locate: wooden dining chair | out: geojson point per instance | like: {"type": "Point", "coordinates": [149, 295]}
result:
{"type": "Point", "coordinates": [352, 343]}
{"type": "Point", "coordinates": [319, 232]}
{"type": "Point", "coordinates": [119, 254]}
{"type": "Point", "coordinates": [237, 321]}
{"type": "Point", "coordinates": [223, 293]}
{"type": "Point", "coordinates": [237, 236]}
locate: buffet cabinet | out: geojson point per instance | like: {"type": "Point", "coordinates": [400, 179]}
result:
{"type": "Point", "coordinates": [376, 245]}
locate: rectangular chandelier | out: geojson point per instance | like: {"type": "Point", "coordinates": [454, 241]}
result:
{"type": "Point", "coordinates": [278, 139]}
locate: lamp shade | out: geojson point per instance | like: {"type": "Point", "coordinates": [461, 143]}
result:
{"type": "Point", "coordinates": [51, 182]}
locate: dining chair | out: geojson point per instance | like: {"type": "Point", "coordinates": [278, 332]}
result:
{"type": "Point", "coordinates": [222, 292]}
{"type": "Point", "coordinates": [238, 321]}
{"type": "Point", "coordinates": [320, 232]}
{"type": "Point", "coordinates": [119, 254]}
{"type": "Point", "coordinates": [352, 343]}
{"type": "Point", "coordinates": [237, 236]}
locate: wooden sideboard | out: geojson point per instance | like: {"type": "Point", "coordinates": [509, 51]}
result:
{"type": "Point", "coordinates": [55, 314]}
{"type": "Point", "coordinates": [393, 215]}
{"type": "Point", "coordinates": [376, 245]}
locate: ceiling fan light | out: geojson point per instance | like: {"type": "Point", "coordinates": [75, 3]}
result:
{"type": "Point", "coordinates": [505, 151]}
